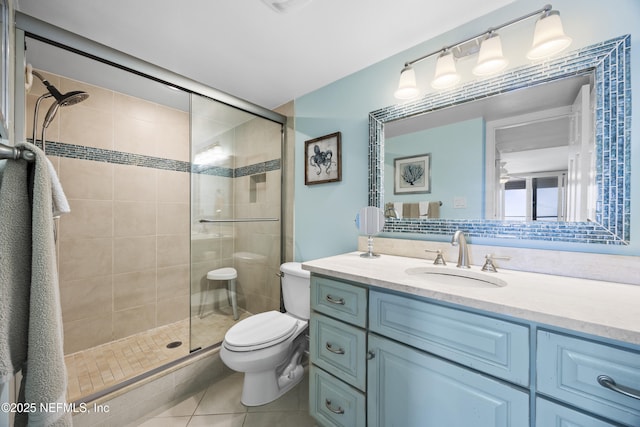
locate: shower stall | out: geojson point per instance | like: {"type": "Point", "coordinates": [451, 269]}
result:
{"type": "Point", "coordinates": [165, 184]}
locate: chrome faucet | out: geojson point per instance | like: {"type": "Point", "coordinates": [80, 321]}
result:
{"type": "Point", "coordinates": [463, 253]}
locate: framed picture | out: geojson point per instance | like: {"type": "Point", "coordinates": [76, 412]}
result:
{"type": "Point", "coordinates": [322, 162]}
{"type": "Point", "coordinates": [412, 174]}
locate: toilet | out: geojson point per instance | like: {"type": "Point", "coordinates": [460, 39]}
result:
{"type": "Point", "coordinates": [268, 347]}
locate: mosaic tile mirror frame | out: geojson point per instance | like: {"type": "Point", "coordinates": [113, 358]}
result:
{"type": "Point", "coordinates": [609, 61]}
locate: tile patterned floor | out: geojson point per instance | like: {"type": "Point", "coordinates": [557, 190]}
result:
{"type": "Point", "coordinates": [98, 368]}
{"type": "Point", "coordinates": [220, 406]}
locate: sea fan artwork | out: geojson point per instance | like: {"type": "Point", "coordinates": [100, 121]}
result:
{"type": "Point", "coordinates": [412, 173]}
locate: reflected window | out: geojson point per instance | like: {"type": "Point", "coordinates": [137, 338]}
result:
{"type": "Point", "coordinates": [537, 198]}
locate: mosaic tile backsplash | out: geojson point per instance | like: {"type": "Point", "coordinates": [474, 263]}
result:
{"type": "Point", "coordinates": [610, 63]}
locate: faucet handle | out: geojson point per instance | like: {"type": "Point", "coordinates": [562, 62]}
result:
{"type": "Point", "coordinates": [489, 265]}
{"type": "Point", "coordinates": [439, 258]}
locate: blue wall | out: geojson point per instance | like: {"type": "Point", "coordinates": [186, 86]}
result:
{"type": "Point", "coordinates": [324, 214]}
{"type": "Point", "coordinates": [457, 166]}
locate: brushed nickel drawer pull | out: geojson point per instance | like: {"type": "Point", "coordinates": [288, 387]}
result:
{"type": "Point", "coordinates": [608, 382]}
{"type": "Point", "coordinates": [334, 350]}
{"type": "Point", "coordinates": [332, 300]}
{"type": "Point", "coordinates": [338, 411]}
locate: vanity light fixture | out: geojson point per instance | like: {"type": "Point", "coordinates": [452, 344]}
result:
{"type": "Point", "coordinates": [446, 74]}
{"type": "Point", "coordinates": [548, 40]}
{"type": "Point", "coordinates": [490, 58]}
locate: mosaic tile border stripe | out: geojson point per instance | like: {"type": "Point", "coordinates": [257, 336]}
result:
{"type": "Point", "coordinates": [82, 152]}
{"type": "Point", "coordinates": [610, 61]}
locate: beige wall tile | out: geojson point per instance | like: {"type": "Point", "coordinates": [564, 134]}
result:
{"type": "Point", "coordinates": [137, 108]}
{"type": "Point", "coordinates": [134, 254]}
{"type": "Point", "coordinates": [88, 218]}
{"type": "Point", "coordinates": [134, 183]}
{"type": "Point", "coordinates": [87, 126]}
{"type": "Point", "coordinates": [173, 187]}
{"type": "Point", "coordinates": [172, 310]}
{"type": "Point", "coordinates": [173, 218]}
{"type": "Point", "coordinates": [173, 250]}
{"type": "Point", "coordinates": [85, 179]}
{"type": "Point", "coordinates": [134, 219]}
{"type": "Point", "coordinates": [171, 133]}
{"type": "Point", "coordinates": [133, 135]}
{"type": "Point", "coordinates": [172, 281]}
{"type": "Point", "coordinates": [85, 258]}
{"type": "Point", "coordinates": [134, 289]}
{"type": "Point", "coordinates": [88, 332]}
{"type": "Point", "coordinates": [133, 320]}
{"type": "Point", "coordinates": [85, 298]}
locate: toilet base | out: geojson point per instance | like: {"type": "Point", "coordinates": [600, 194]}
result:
{"type": "Point", "coordinates": [260, 388]}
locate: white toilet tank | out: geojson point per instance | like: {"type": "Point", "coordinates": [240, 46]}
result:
{"type": "Point", "coordinates": [295, 289]}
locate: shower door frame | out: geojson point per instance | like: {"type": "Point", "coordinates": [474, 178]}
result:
{"type": "Point", "coordinates": [27, 26]}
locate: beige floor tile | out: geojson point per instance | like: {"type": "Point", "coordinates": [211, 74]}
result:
{"type": "Point", "coordinates": [226, 420]}
{"type": "Point", "coordinates": [167, 422]}
{"type": "Point", "coordinates": [223, 397]}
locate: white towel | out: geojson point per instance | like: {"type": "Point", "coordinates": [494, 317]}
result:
{"type": "Point", "coordinates": [423, 208]}
{"type": "Point", "coordinates": [398, 207]}
{"type": "Point", "coordinates": [30, 314]}
{"type": "Point", "coordinates": [59, 201]}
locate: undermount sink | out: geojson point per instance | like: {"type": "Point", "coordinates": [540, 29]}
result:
{"type": "Point", "coordinates": [457, 277]}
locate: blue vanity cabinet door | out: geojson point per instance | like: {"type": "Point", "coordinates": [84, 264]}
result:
{"type": "Point", "coordinates": [497, 347]}
{"type": "Point", "coordinates": [333, 403]}
{"type": "Point", "coordinates": [568, 369]}
{"type": "Point", "coordinates": [410, 388]}
{"type": "Point", "coordinates": [549, 414]}
{"type": "Point", "coordinates": [339, 349]}
{"type": "Point", "coordinates": [340, 300]}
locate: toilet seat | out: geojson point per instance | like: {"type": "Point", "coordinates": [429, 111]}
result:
{"type": "Point", "coordinates": [260, 331]}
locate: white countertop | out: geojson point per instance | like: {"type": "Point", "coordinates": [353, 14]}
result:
{"type": "Point", "coordinates": [606, 309]}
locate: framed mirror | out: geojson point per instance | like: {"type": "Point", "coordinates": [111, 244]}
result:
{"type": "Point", "coordinates": [606, 67]}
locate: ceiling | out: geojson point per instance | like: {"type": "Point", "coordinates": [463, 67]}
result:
{"type": "Point", "coordinates": [246, 49]}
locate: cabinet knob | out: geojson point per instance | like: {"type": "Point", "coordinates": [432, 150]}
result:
{"type": "Point", "coordinates": [370, 355]}
{"type": "Point", "coordinates": [338, 411]}
{"type": "Point", "coordinates": [608, 382]}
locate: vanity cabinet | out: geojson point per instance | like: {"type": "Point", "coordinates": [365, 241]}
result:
{"type": "Point", "coordinates": [337, 349]}
{"type": "Point", "coordinates": [385, 358]}
{"type": "Point", "coordinates": [413, 382]}
{"type": "Point", "coordinates": [568, 369]}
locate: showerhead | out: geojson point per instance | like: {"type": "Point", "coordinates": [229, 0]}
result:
{"type": "Point", "coordinates": [71, 98]}
{"type": "Point", "coordinates": [62, 100]}
{"type": "Point", "coordinates": [68, 98]}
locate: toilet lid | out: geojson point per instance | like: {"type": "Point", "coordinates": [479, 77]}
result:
{"type": "Point", "coordinates": [260, 330]}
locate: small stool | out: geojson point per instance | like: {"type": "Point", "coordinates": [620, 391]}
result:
{"type": "Point", "coordinates": [230, 274]}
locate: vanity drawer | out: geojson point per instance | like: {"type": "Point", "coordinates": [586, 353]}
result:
{"type": "Point", "coordinates": [552, 414]}
{"type": "Point", "coordinates": [339, 349]}
{"type": "Point", "coordinates": [497, 347]}
{"type": "Point", "coordinates": [333, 403]}
{"type": "Point", "coordinates": [568, 369]}
{"type": "Point", "coordinates": [338, 299]}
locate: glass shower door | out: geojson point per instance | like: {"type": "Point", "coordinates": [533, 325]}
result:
{"type": "Point", "coordinates": [236, 188]}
